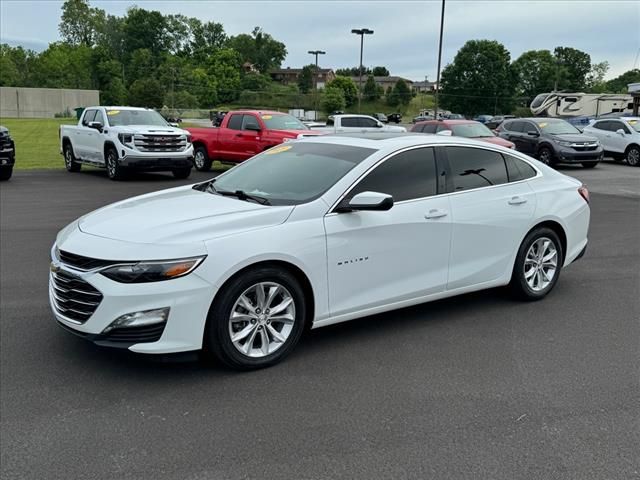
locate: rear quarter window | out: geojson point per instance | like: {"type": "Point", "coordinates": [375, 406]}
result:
{"type": "Point", "coordinates": [517, 169]}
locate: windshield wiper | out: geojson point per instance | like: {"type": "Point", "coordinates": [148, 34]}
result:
{"type": "Point", "coordinates": [241, 195]}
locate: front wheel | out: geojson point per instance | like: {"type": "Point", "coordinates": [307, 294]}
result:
{"type": "Point", "coordinates": [257, 319]}
{"type": "Point", "coordinates": [589, 164]}
{"type": "Point", "coordinates": [181, 173]}
{"type": "Point", "coordinates": [633, 156]}
{"type": "Point", "coordinates": [5, 173]}
{"type": "Point", "coordinates": [70, 160]}
{"type": "Point", "coordinates": [201, 159]}
{"type": "Point", "coordinates": [545, 155]}
{"type": "Point", "coordinates": [114, 170]}
{"type": "Point", "coordinates": [538, 264]}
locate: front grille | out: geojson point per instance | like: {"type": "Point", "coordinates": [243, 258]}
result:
{"type": "Point", "coordinates": [585, 148]}
{"type": "Point", "coordinates": [160, 143]}
{"type": "Point", "coordinates": [144, 334]}
{"type": "Point", "coordinates": [83, 263]}
{"type": "Point", "coordinates": [73, 297]}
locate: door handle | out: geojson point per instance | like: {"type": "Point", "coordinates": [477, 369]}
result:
{"type": "Point", "coordinates": [435, 213]}
{"type": "Point", "coordinates": [517, 201]}
{"type": "Point", "coordinates": [239, 135]}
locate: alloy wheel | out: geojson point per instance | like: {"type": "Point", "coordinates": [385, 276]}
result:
{"type": "Point", "coordinates": [111, 164]}
{"type": "Point", "coordinates": [262, 319]}
{"type": "Point", "coordinates": [545, 156]}
{"type": "Point", "coordinates": [68, 162]}
{"type": "Point", "coordinates": [540, 264]}
{"type": "Point", "coordinates": [633, 157]}
{"type": "Point", "coordinates": [198, 159]}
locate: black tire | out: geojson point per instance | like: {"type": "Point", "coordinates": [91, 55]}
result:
{"type": "Point", "coordinates": [519, 284]}
{"type": "Point", "coordinates": [218, 337]}
{"type": "Point", "coordinates": [632, 156]}
{"type": "Point", "coordinates": [114, 170]}
{"type": "Point", "coordinates": [201, 159]}
{"type": "Point", "coordinates": [70, 162]}
{"type": "Point", "coordinates": [181, 173]}
{"type": "Point", "coordinates": [589, 164]}
{"type": "Point", "coordinates": [5, 173]}
{"type": "Point", "coordinates": [545, 155]}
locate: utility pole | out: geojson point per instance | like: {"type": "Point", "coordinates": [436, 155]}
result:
{"type": "Point", "coordinates": [435, 113]}
{"type": "Point", "coordinates": [315, 82]}
{"type": "Point", "coordinates": [362, 32]}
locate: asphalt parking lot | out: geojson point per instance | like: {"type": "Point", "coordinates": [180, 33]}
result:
{"type": "Point", "coordinates": [480, 386]}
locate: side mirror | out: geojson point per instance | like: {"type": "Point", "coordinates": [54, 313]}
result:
{"type": "Point", "coordinates": [371, 201]}
{"type": "Point", "coordinates": [97, 125]}
{"type": "Point", "coordinates": [254, 127]}
{"type": "Point", "coordinates": [533, 133]}
{"type": "Point", "coordinates": [620, 132]}
{"type": "Point", "coordinates": [445, 133]}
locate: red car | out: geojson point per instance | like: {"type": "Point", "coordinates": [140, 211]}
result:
{"type": "Point", "coordinates": [462, 128]}
{"type": "Point", "coordinates": [243, 134]}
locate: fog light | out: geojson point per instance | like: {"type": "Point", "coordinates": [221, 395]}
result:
{"type": "Point", "coordinates": [140, 319]}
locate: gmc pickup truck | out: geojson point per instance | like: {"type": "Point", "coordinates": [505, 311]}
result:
{"type": "Point", "coordinates": [7, 154]}
{"type": "Point", "coordinates": [126, 138]}
{"type": "Point", "coordinates": [356, 124]}
{"type": "Point", "coordinates": [243, 134]}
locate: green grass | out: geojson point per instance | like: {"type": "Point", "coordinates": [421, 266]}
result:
{"type": "Point", "coordinates": [37, 141]}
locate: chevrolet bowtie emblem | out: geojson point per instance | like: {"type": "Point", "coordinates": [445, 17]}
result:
{"type": "Point", "coordinates": [54, 267]}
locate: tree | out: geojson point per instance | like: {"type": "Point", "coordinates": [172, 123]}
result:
{"type": "Point", "coordinates": [259, 48]}
{"type": "Point", "coordinates": [114, 93]}
{"type": "Point", "coordinates": [180, 100]}
{"type": "Point", "coordinates": [224, 67]}
{"type": "Point", "coordinates": [255, 82]}
{"type": "Point", "coordinates": [535, 72]}
{"type": "Point", "coordinates": [371, 91]}
{"type": "Point", "coordinates": [480, 79]}
{"type": "Point", "coordinates": [401, 93]}
{"type": "Point", "coordinates": [595, 77]}
{"type": "Point", "coordinates": [348, 87]}
{"type": "Point", "coordinates": [305, 79]}
{"type": "Point", "coordinates": [80, 22]}
{"type": "Point", "coordinates": [575, 64]}
{"type": "Point", "coordinates": [380, 72]}
{"type": "Point", "coordinates": [621, 82]}
{"type": "Point", "coordinates": [354, 71]}
{"type": "Point", "coordinates": [146, 92]}
{"type": "Point", "coordinates": [333, 99]}
{"type": "Point", "coordinates": [145, 29]}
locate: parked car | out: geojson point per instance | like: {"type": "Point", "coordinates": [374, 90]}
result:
{"type": "Point", "coordinates": [126, 138]}
{"type": "Point", "coordinates": [394, 117]}
{"type": "Point", "coordinates": [312, 233]}
{"type": "Point", "coordinates": [620, 137]}
{"type": "Point", "coordinates": [421, 118]}
{"type": "Point", "coordinates": [455, 116]}
{"type": "Point", "coordinates": [552, 141]}
{"type": "Point", "coordinates": [497, 120]}
{"type": "Point", "coordinates": [462, 128]}
{"type": "Point", "coordinates": [243, 134]}
{"type": "Point", "coordinates": [483, 118]}
{"type": "Point", "coordinates": [381, 117]}
{"type": "Point", "coordinates": [356, 123]}
{"type": "Point", "coordinates": [7, 154]}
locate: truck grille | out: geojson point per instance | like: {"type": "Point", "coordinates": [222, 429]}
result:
{"type": "Point", "coordinates": [584, 147]}
{"type": "Point", "coordinates": [160, 143]}
{"type": "Point", "coordinates": [73, 297]}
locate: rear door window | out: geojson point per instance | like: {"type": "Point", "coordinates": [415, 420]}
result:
{"type": "Point", "coordinates": [368, 123]}
{"type": "Point", "coordinates": [472, 168]}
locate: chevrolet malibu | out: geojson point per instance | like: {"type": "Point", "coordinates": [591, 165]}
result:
{"type": "Point", "coordinates": [311, 233]}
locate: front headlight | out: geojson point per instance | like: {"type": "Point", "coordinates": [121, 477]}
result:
{"type": "Point", "coordinates": [126, 139]}
{"type": "Point", "coordinates": [143, 272]}
{"type": "Point", "coordinates": [564, 144]}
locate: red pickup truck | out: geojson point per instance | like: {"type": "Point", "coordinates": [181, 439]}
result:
{"type": "Point", "coordinates": [243, 134]}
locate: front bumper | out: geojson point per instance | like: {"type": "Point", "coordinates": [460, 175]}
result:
{"type": "Point", "coordinates": [188, 299]}
{"type": "Point", "coordinates": [151, 163]}
{"type": "Point", "coordinates": [569, 155]}
{"type": "Point", "coordinates": [7, 155]}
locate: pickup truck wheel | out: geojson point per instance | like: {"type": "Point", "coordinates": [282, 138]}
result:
{"type": "Point", "coordinates": [70, 160]}
{"type": "Point", "coordinates": [114, 170]}
{"type": "Point", "coordinates": [201, 159]}
{"type": "Point", "coordinates": [181, 173]}
{"type": "Point", "coordinates": [5, 173]}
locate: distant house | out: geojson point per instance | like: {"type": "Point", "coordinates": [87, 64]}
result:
{"type": "Point", "coordinates": [287, 76]}
{"type": "Point", "coordinates": [384, 82]}
{"type": "Point", "coordinates": [424, 87]}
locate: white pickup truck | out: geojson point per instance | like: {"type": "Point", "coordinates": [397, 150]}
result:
{"type": "Point", "coordinates": [126, 138]}
{"type": "Point", "coordinates": [356, 123]}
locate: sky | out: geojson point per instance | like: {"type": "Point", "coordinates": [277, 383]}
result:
{"type": "Point", "coordinates": [405, 38]}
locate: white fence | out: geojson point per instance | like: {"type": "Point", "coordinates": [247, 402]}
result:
{"type": "Point", "coordinates": [18, 102]}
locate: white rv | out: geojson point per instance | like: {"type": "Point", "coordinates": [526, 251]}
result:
{"type": "Point", "coordinates": [560, 104]}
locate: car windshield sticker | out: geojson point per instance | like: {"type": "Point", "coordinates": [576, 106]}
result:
{"type": "Point", "coordinates": [113, 112]}
{"type": "Point", "coordinates": [267, 117]}
{"type": "Point", "coordinates": [542, 125]}
{"type": "Point", "coordinates": [280, 149]}
{"type": "Point", "coordinates": [632, 122]}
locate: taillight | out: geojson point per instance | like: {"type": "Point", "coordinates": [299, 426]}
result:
{"type": "Point", "coordinates": [584, 193]}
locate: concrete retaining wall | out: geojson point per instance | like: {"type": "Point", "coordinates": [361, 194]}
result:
{"type": "Point", "coordinates": [18, 102]}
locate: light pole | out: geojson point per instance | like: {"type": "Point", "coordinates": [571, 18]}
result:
{"type": "Point", "coordinates": [315, 82]}
{"type": "Point", "coordinates": [435, 113]}
{"type": "Point", "coordinates": [362, 32]}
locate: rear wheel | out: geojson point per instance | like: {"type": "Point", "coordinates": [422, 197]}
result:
{"type": "Point", "coordinates": [201, 159]}
{"type": "Point", "coordinates": [589, 164]}
{"type": "Point", "coordinates": [538, 264]}
{"type": "Point", "coordinates": [181, 173]}
{"type": "Point", "coordinates": [5, 173]}
{"type": "Point", "coordinates": [70, 160]}
{"type": "Point", "coordinates": [633, 156]}
{"type": "Point", "coordinates": [545, 155]}
{"type": "Point", "coordinates": [256, 319]}
{"type": "Point", "coordinates": [114, 170]}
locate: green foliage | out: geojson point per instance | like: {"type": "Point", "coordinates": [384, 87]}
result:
{"type": "Point", "coordinates": [371, 91]}
{"type": "Point", "coordinates": [255, 82]}
{"type": "Point", "coordinates": [535, 72]}
{"type": "Point", "coordinates": [620, 83]}
{"type": "Point", "coordinates": [305, 80]}
{"type": "Point", "coordinates": [145, 30]}
{"type": "Point", "coordinates": [400, 94]}
{"type": "Point", "coordinates": [595, 77]}
{"type": "Point", "coordinates": [480, 79]}
{"type": "Point", "coordinates": [574, 65]}
{"type": "Point", "coordinates": [146, 92]}
{"type": "Point", "coordinates": [380, 72]}
{"type": "Point", "coordinates": [348, 88]}
{"type": "Point", "coordinates": [259, 49]}
{"type": "Point", "coordinates": [181, 100]}
{"type": "Point", "coordinates": [114, 93]}
{"type": "Point", "coordinates": [333, 99]}
{"type": "Point", "coordinates": [80, 23]}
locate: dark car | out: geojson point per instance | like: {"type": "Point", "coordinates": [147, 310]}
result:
{"type": "Point", "coordinates": [7, 154]}
{"type": "Point", "coordinates": [455, 116]}
{"type": "Point", "coordinates": [497, 120]}
{"type": "Point", "coordinates": [483, 118]}
{"type": "Point", "coordinates": [381, 117]}
{"type": "Point", "coordinates": [552, 141]}
{"type": "Point", "coordinates": [394, 117]}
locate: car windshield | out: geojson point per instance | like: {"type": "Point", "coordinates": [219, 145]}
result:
{"type": "Point", "coordinates": [471, 130]}
{"type": "Point", "coordinates": [283, 122]}
{"type": "Point", "coordinates": [292, 173]}
{"type": "Point", "coordinates": [119, 118]}
{"type": "Point", "coordinates": [558, 127]}
{"type": "Point", "coordinates": [635, 124]}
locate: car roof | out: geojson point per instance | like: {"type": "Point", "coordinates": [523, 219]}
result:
{"type": "Point", "coordinates": [120, 108]}
{"type": "Point", "coordinates": [459, 121]}
{"type": "Point", "coordinates": [259, 112]}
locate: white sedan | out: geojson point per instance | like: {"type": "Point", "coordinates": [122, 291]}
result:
{"type": "Point", "coordinates": [311, 233]}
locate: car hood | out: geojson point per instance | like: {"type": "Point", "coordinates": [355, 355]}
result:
{"type": "Point", "coordinates": [154, 129]}
{"type": "Point", "coordinates": [391, 128]}
{"type": "Point", "coordinates": [180, 215]}
{"type": "Point", "coordinates": [496, 141]}
{"type": "Point", "coordinates": [574, 137]}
